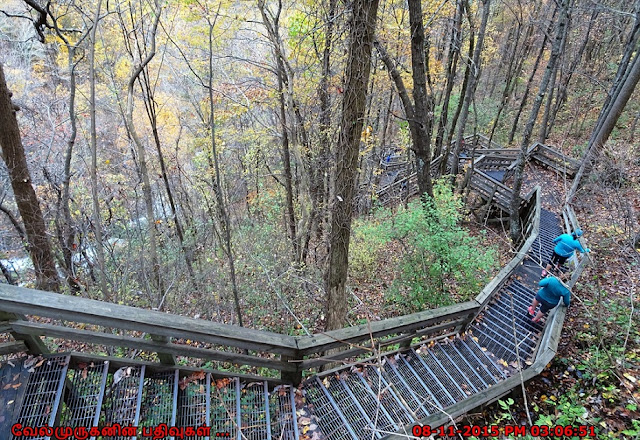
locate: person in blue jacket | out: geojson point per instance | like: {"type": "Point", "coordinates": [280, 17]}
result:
{"type": "Point", "coordinates": [552, 289]}
{"type": "Point", "coordinates": [566, 244]}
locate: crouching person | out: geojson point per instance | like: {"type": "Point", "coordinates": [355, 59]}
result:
{"type": "Point", "coordinates": [552, 289]}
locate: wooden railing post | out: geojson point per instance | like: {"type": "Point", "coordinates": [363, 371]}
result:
{"type": "Point", "coordinates": [466, 323]}
{"type": "Point", "coordinates": [165, 358]}
{"type": "Point", "coordinates": [295, 377]}
{"type": "Point", "coordinates": [407, 343]}
{"type": "Point", "coordinates": [34, 343]}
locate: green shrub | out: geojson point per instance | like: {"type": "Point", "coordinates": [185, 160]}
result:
{"type": "Point", "coordinates": [439, 257]}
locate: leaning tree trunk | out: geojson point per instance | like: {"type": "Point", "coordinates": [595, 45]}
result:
{"type": "Point", "coordinates": [544, 125]}
{"type": "Point", "coordinates": [513, 70]}
{"type": "Point", "coordinates": [463, 91]}
{"type": "Point", "coordinates": [514, 208]}
{"type": "Point", "coordinates": [286, 165]}
{"type": "Point", "coordinates": [608, 122]}
{"type": "Point", "coordinates": [353, 107]}
{"type": "Point", "coordinates": [419, 113]}
{"type": "Point", "coordinates": [223, 212]}
{"type": "Point", "coordinates": [561, 95]}
{"type": "Point", "coordinates": [151, 107]}
{"type": "Point", "coordinates": [25, 195]}
{"type": "Point", "coordinates": [97, 219]}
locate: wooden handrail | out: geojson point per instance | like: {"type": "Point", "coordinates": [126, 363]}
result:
{"type": "Point", "coordinates": [555, 322]}
{"type": "Point", "coordinates": [20, 300]}
{"type": "Point", "coordinates": [502, 152]}
{"type": "Point", "coordinates": [504, 188]}
{"type": "Point", "coordinates": [319, 343]}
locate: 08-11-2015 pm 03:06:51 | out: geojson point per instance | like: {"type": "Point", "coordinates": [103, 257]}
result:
{"type": "Point", "coordinates": [495, 431]}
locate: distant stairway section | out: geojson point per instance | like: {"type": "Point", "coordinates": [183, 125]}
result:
{"type": "Point", "coordinates": [554, 159]}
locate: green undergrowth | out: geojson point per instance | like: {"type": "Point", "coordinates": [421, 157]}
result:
{"type": "Point", "coordinates": [435, 261]}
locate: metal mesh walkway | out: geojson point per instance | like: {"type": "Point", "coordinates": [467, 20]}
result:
{"type": "Point", "coordinates": [60, 391]}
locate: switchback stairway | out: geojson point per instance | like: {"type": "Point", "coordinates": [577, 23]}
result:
{"type": "Point", "coordinates": [428, 367]}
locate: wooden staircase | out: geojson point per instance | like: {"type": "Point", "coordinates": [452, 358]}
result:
{"type": "Point", "coordinates": [421, 368]}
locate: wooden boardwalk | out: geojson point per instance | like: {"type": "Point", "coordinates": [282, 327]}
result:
{"type": "Point", "coordinates": [420, 368]}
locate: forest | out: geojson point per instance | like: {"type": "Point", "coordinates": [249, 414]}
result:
{"type": "Point", "coordinates": [224, 161]}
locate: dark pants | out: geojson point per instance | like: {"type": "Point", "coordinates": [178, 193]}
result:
{"type": "Point", "coordinates": [557, 259]}
{"type": "Point", "coordinates": [545, 305]}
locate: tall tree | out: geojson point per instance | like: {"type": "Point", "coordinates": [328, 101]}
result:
{"type": "Point", "coordinates": [214, 162]}
{"type": "Point", "coordinates": [514, 66]}
{"type": "Point", "coordinates": [551, 88]}
{"type": "Point", "coordinates": [271, 21]}
{"type": "Point", "coordinates": [25, 195]}
{"type": "Point", "coordinates": [561, 95]}
{"type": "Point", "coordinates": [151, 106]}
{"type": "Point", "coordinates": [623, 86]}
{"type": "Point", "coordinates": [65, 227]}
{"type": "Point", "coordinates": [97, 218]}
{"type": "Point", "coordinates": [422, 99]}
{"type": "Point", "coordinates": [475, 65]}
{"type": "Point", "coordinates": [362, 27]}
{"type": "Point", "coordinates": [514, 208]}
{"type": "Point", "coordinates": [320, 181]}
{"type": "Point", "coordinates": [419, 113]}
{"type": "Point", "coordinates": [452, 67]}
{"type": "Point", "coordinates": [145, 53]}
{"type": "Point", "coordinates": [532, 75]}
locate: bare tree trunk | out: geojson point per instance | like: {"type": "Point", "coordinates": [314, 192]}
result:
{"type": "Point", "coordinates": [353, 108]}
{"type": "Point", "coordinates": [452, 67]}
{"type": "Point", "coordinates": [544, 126]}
{"type": "Point", "coordinates": [514, 219]}
{"type": "Point", "coordinates": [532, 76]}
{"type": "Point", "coordinates": [463, 92]}
{"type": "Point", "coordinates": [471, 88]}
{"type": "Point", "coordinates": [319, 212]}
{"type": "Point", "coordinates": [514, 68]}
{"type": "Point", "coordinates": [304, 153]}
{"type": "Point", "coordinates": [25, 195]}
{"type": "Point", "coordinates": [422, 100]}
{"type": "Point", "coordinates": [217, 187]}
{"type": "Point", "coordinates": [286, 165]}
{"type": "Point", "coordinates": [561, 95]}
{"type": "Point", "coordinates": [97, 218]}
{"type": "Point", "coordinates": [419, 113]}
{"type": "Point", "coordinates": [142, 157]}
{"type": "Point", "coordinates": [66, 229]}
{"type": "Point", "coordinates": [151, 107]}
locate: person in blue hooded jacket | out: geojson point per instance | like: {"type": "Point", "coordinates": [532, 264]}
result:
{"type": "Point", "coordinates": [566, 244]}
{"type": "Point", "coordinates": [552, 289]}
